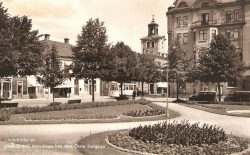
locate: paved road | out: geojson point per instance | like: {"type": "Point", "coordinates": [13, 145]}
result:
{"type": "Point", "coordinates": [61, 134]}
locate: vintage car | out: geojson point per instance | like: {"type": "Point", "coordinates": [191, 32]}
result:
{"type": "Point", "coordinates": [204, 96]}
{"type": "Point", "coordinates": [238, 96]}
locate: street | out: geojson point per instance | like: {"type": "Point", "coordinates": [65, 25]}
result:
{"type": "Point", "coordinates": [69, 134]}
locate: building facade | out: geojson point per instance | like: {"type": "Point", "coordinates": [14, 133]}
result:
{"type": "Point", "coordinates": [153, 45]}
{"type": "Point", "coordinates": [28, 87]}
{"type": "Point", "coordinates": [195, 22]}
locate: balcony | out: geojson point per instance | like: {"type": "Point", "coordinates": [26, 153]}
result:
{"type": "Point", "coordinates": [204, 23]}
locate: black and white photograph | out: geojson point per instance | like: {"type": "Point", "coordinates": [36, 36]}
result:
{"type": "Point", "coordinates": [124, 77]}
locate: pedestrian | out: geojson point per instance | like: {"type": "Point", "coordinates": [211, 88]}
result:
{"type": "Point", "coordinates": [134, 93]}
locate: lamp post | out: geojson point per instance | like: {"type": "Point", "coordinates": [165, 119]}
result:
{"type": "Point", "coordinates": [167, 93]}
{"type": "Point", "coordinates": [167, 110]}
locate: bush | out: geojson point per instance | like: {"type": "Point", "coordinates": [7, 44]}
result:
{"type": "Point", "coordinates": [178, 133]}
{"type": "Point", "coordinates": [55, 104]}
{"type": "Point", "coordinates": [230, 145]}
{"type": "Point", "coordinates": [179, 101]}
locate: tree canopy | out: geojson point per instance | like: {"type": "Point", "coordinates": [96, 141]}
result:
{"type": "Point", "coordinates": [51, 72]}
{"type": "Point", "coordinates": [178, 63]}
{"type": "Point", "coordinates": [20, 48]}
{"type": "Point", "coordinates": [91, 56]}
{"type": "Point", "coordinates": [219, 63]}
{"type": "Point", "coordinates": [125, 63]}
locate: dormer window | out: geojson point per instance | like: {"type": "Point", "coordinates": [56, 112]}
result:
{"type": "Point", "coordinates": [204, 4]}
{"type": "Point", "coordinates": [182, 5]}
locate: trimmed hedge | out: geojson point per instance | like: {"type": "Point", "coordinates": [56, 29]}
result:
{"type": "Point", "coordinates": [6, 113]}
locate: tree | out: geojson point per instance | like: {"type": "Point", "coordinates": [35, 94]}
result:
{"type": "Point", "coordinates": [20, 48]}
{"type": "Point", "coordinates": [178, 64]}
{"type": "Point", "coordinates": [50, 73]}
{"type": "Point", "coordinates": [124, 64]}
{"type": "Point", "coordinates": [91, 54]}
{"type": "Point", "coordinates": [219, 63]}
{"type": "Point", "coordinates": [147, 70]}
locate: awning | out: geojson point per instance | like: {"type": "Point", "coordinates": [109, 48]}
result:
{"type": "Point", "coordinates": [162, 84]}
{"type": "Point", "coordinates": [67, 84]}
{"type": "Point", "coordinates": [32, 82]}
{"type": "Point", "coordinates": [247, 73]}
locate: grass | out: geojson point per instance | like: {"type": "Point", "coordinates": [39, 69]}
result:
{"type": "Point", "coordinates": [99, 139]}
{"type": "Point", "coordinates": [223, 111]}
{"type": "Point", "coordinates": [114, 110]}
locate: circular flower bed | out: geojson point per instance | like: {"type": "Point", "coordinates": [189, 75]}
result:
{"type": "Point", "coordinates": [177, 138]}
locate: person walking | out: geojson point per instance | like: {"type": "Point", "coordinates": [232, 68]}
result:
{"type": "Point", "coordinates": [134, 94]}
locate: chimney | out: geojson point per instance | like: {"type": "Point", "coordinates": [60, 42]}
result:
{"type": "Point", "coordinates": [66, 40]}
{"type": "Point", "coordinates": [46, 36]}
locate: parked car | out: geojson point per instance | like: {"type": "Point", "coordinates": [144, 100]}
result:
{"type": "Point", "coordinates": [238, 96]}
{"type": "Point", "coordinates": [204, 96]}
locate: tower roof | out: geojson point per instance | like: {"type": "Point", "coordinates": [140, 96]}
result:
{"type": "Point", "coordinates": [153, 22]}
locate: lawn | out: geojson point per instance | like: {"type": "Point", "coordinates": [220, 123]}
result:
{"type": "Point", "coordinates": [116, 111]}
{"type": "Point", "coordinates": [220, 109]}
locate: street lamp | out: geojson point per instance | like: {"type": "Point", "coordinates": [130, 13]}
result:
{"type": "Point", "coordinates": [167, 110]}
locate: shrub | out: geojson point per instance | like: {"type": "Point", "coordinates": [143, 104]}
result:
{"type": "Point", "coordinates": [178, 133]}
{"type": "Point", "coordinates": [55, 104]}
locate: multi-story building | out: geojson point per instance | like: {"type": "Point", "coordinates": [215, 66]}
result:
{"type": "Point", "coordinates": [153, 45]}
{"type": "Point", "coordinates": [28, 87]}
{"type": "Point", "coordinates": [195, 22]}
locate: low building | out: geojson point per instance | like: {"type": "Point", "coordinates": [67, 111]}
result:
{"type": "Point", "coordinates": [28, 87]}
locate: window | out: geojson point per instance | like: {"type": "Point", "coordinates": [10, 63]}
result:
{"type": "Point", "coordinates": [153, 44]}
{"type": "Point", "coordinates": [228, 15]}
{"type": "Point", "coordinates": [31, 90]}
{"type": "Point", "coordinates": [232, 83]}
{"type": "Point", "coordinates": [178, 21]}
{"type": "Point", "coordinates": [228, 33]}
{"type": "Point", "coordinates": [185, 37]}
{"type": "Point", "coordinates": [236, 33]}
{"type": "Point", "coordinates": [204, 18]}
{"type": "Point", "coordinates": [213, 33]}
{"type": "Point", "coordinates": [185, 20]}
{"type": "Point", "coordinates": [152, 31]}
{"type": "Point", "coordinates": [204, 4]}
{"type": "Point", "coordinates": [178, 36]}
{"type": "Point", "coordinates": [194, 33]}
{"type": "Point", "coordinates": [203, 34]}
{"type": "Point", "coordinates": [236, 14]}
{"type": "Point", "coordinates": [148, 44]}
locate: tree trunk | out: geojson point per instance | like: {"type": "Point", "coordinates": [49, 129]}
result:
{"type": "Point", "coordinates": [218, 83]}
{"type": "Point", "coordinates": [142, 94]}
{"type": "Point", "coordinates": [177, 90]}
{"type": "Point", "coordinates": [93, 89]}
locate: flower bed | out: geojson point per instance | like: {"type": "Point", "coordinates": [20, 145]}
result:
{"type": "Point", "coordinates": [178, 138]}
{"type": "Point", "coordinates": [154, 111]}
{"type": "Point", "coordinates": [31, 117]}
{"type": "Point", "coordinates": [6, 113]}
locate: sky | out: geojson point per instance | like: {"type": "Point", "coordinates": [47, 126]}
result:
{"type": "Point", "coordinates": [125, 20]}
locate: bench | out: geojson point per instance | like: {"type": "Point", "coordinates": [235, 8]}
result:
{"type": "Point", "coordinates": [74, 101]}
{"type": "Point", "coordinates": [7, 105]}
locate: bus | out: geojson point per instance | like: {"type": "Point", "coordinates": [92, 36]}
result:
{"type": "Point", "coordinates": [127, 89]}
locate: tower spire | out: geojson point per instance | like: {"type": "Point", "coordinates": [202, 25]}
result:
{"type": "Point", "coordinates": [153, 19]}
